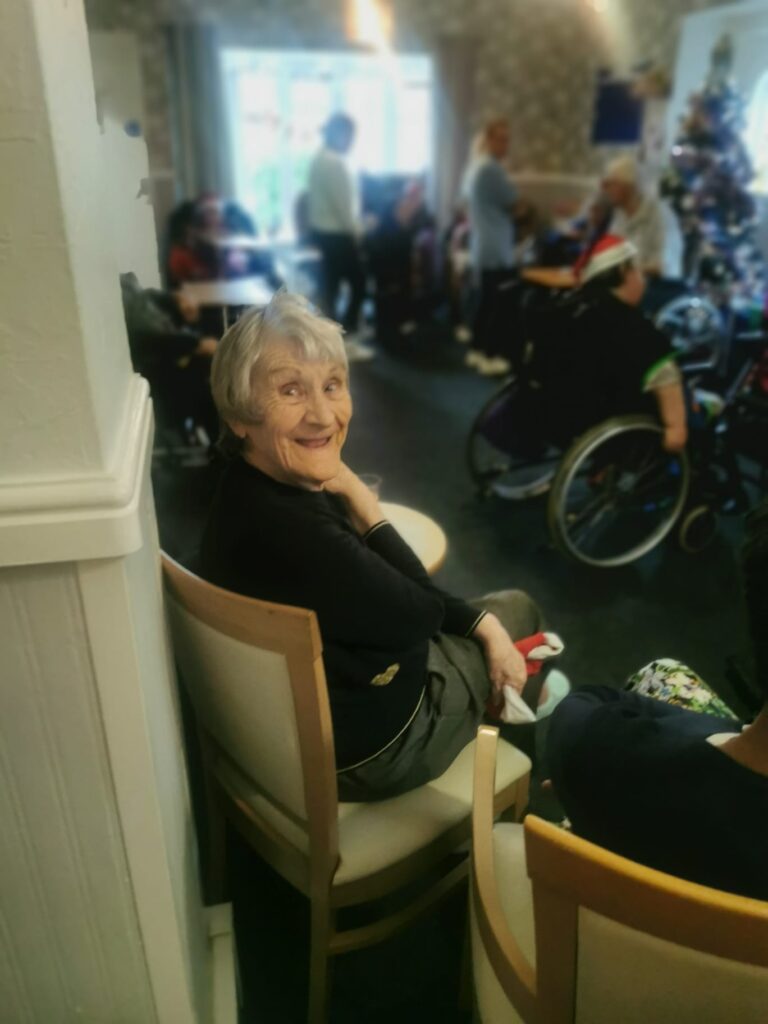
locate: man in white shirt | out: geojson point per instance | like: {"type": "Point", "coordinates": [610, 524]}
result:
{"type": "Point", "coordinates": [333, 212]}
{"type": "Point", "coordinates": [647, 222]}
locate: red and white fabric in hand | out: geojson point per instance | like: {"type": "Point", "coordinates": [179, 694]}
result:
{"type": "Point", "coordinates": [536, 649]}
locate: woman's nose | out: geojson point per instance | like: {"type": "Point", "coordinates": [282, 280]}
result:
{"type": "Point", "coordinates": [319, 409]}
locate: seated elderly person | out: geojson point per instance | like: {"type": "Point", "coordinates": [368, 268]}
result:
{"type": "Point", "coordinates": [652, 227]}
{"type": "Point", "coordinates": [675, 789]}
{"type": "Point", "coordinates": [409, 667]}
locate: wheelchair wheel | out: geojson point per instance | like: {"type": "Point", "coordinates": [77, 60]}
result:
{"type": "Point", "coordinates": [695, 327]}
{"type": "Point", "coordinates": [697, 529]}
{"type": "Point", "coordinates": [617, 493]}
{"type": "Point", "coordinates": [501, 460]}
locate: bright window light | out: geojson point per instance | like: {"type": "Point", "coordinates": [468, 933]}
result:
{"type": "Point", "coordinates": [279, 100]}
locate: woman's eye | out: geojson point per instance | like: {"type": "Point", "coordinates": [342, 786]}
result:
{"type": "Point", "coordinates": [290, 390]}
{"type": "Point", "coordinates": [333, 385]}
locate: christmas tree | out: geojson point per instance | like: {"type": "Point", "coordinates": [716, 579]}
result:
{"type": "Point", "coordinates": [708, 187]}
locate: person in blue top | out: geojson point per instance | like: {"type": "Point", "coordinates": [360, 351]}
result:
{"type": "Point", "coordinates": [491, 197]}
{"type": "Point", "coordinates": [671, 788]}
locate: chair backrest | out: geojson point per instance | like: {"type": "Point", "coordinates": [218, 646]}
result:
{"type": "Point", "coordinates": [616, 940]}
{"type": "Point", "coordinates": [254, 673]}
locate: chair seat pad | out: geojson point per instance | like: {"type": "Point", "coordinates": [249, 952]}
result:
{"type": "Point", "coordinates": [516, 898]}
{"type": "Point", "coordinates": [374, 836]}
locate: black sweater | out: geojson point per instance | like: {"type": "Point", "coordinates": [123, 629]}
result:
{"type": "Point", "coordinates": [376, 605]}
{"type": "Point", "coordinates": [637, 776]}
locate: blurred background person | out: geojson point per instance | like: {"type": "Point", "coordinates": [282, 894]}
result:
{"type": "Point", "coordinates": [650, 225]}
{"type": "Point", "coordinates": [171, 349]}
{"type": "Point", "coordinates": [333, 206]}
{"type": "Point", "coordinates": [491, 197]}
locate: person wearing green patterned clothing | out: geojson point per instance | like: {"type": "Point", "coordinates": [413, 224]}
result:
{"type": "Point", "coordinates": [663, 772]}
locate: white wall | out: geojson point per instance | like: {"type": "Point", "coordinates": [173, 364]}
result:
{"type": "Point", "coordinates": [100, 912]}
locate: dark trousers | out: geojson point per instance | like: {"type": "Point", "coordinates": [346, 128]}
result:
{"type": "Point", "coordinates": [497, 313]}
{"type": "Point", "coordinates": [341, 261]}
{"type": "Point", "coordinates": [457, 688]}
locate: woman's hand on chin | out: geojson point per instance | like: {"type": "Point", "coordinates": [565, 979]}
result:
{"type": "Point", "coordinates": [362, 504]}
{"type": "Point", "coordinates": [505, 664]}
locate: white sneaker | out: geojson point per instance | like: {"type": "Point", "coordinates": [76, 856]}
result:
{"type": "Point", "coordinates": [462, 334]}
{"type": "Point", "coordinates": [474, 359]}
{"type": "Point", "coordinates": [356, 352]}
{"type": "Point", "coordinates": [556, 688]}
{"type": "Point", "coordinates": [494, 366]}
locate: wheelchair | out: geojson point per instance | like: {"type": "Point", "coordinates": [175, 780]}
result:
{"type": "Point", "coordinates": [614, 493]}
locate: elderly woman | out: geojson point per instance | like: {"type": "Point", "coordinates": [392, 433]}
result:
{"type": "Point", "coordinates": [409, 667]}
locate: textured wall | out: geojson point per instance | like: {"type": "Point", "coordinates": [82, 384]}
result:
{"type": "Point", "coordinates": [536, 58]}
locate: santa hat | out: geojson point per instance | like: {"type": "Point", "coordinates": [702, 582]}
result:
{"type": "Point", "coordinates": [609, 251]}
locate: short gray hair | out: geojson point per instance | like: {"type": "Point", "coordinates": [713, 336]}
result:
{"type": "Point", "coordinates": [287, 317]}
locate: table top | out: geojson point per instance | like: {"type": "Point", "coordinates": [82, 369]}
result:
{"type": "Point", "coordinates": [225, 241]}
{"type": "Point", "coordinates": [550, 277]}
{"type": "Point", "coordinates": [420, 533]}
{"type": "Point", "coordinates": [241, 291]}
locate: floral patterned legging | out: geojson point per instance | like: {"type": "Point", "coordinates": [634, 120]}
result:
{"type": "Point", "coordinates": [675, 683]}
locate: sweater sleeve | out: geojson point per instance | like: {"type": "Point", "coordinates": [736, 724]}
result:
{"type": "Point", "coordinates": [459, 618]}
{"type": "Point", "coordinates": [361, 598]}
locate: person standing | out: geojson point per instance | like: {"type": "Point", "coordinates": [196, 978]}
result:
{"type": "Point", "coordinates": [491, 197]}
{"type": "Point", "coordinates": [333, 209]}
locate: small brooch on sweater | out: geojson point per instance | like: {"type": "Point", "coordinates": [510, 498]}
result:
{"type": "Point", "coordinates": [386, 677]}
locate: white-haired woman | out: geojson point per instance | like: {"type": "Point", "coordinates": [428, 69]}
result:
{"type": "Point", "coordinates": [409, 667]}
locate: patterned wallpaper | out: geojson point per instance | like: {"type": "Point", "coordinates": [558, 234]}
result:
{"type": "Point", "coordinates": [536, 59]}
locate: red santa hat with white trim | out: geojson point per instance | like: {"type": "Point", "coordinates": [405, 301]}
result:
{"type": "Point", "coordinates": [610, 251]}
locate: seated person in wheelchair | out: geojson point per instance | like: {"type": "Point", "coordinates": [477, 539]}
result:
{"type": "Point", "coordinates": [681, 790]}
{"type": "Point", "coordinates": [169, 348]}
{"type": "Point", "coordinates": [608, 358]}
{"type": "Point", "coordinates": [409, 667]}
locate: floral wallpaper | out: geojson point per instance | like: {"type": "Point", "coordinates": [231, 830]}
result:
{"type": "Point", "coordinates": [536, 60]}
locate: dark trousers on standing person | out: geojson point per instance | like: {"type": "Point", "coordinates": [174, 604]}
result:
{"type": "Point", "coordinates": [340, 255]}
{"type": "Point", "coordinates": [496, 313]}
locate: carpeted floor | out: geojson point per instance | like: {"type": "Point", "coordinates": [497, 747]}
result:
{"type": "Point", "coordinates": [412, 414]}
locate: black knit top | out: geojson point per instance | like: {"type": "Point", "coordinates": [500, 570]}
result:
{"type": "Point", "coordinates": [375, 603]}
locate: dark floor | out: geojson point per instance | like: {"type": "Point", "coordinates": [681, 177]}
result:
{"type": "Point", "coordinates": [412, 416]}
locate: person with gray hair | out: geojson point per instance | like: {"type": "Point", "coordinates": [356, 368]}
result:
{"type": "Point", "coordinates": [645, 220]}
{"type": "Point", "coordinates": [409, 667]}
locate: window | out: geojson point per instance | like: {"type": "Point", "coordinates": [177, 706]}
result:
{"type": "Point", "coordinates": [278, 101]}
{"type": "Point", "coordinates": [757, 134]}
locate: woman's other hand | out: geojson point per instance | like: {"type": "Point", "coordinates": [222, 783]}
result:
{"type": "Point", "coordinates": [362, 504]}
{"type": "Point", "coordinates": [506, 665]}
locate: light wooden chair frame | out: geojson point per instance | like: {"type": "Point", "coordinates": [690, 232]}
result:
{"type": "Point", "coordinates": [295, 634]}
{"type": "Point", "coordinates": [566, 873]}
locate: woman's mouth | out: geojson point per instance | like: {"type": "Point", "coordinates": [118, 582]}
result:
{"type": "Point", "coordinates": [313, 442]}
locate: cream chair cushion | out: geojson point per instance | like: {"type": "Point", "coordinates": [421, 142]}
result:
{"type": "Point", "coordinates": [629, 976]}
{"type": "Point", "coordinates": [516, 899]}
{"type": "Point", "coordinates": [374, 836]}
{"type": "Point", "coordinates": [377, 835]}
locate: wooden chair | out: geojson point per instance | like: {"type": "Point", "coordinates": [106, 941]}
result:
{"type": "Point", "coordinates": [588, 937]}
{"type": "Point", "coordinates": [254, 673]}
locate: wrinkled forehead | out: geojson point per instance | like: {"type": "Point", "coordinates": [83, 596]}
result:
{"type": "Point", "coordinates": [285, 356]}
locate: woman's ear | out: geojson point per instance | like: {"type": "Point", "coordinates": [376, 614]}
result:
{"type": "Point", "coordinates": [238, 429]}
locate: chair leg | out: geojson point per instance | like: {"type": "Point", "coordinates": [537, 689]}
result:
{"type": "Point", "coordinates": [521, 799]}
{"type": "Point", "coordinates": [516, 811]}
{"type": "Point", "coordinates": [466, 990]}
{"type": "Point", "coordinates": [215, 880]}
{"type": "Point", "coordinates": [319, 961]}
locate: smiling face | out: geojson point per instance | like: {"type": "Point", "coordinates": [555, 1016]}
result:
{"type": "Point", "coordinates": [305, 408]}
